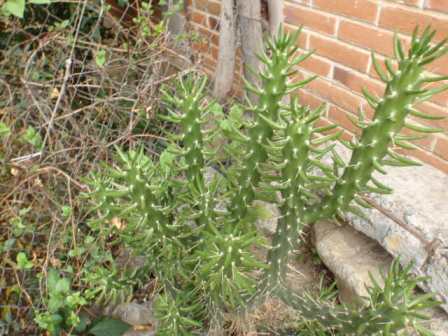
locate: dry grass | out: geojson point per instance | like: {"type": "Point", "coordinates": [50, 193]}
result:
{"type": "Point", "coordinates": [51, 82]}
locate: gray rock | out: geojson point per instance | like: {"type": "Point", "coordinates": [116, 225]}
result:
{"type": "Point", "coordinates": [269, 216]}
{"type": "Point", "coordinates": [412, 223]}
{"type": "Point", "coordinates": [140, 333]}
{"type": "Point", "coordinates": [351, 256]}
{"type": "Point", "coordinates": [134, 313]}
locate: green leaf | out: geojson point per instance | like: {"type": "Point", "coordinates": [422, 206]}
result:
{"type": "Point", "coordinates": [63, 285]}
{"type": "Point", "coordinates": [109, 327]}
{"type": "Point", "coordinates": [40, 2]}
{"type": "Point", "coordinates": [23, 262]}
{"type": "Point", "coordinates": [15, 7]}
{"type": "Point", "coordinates": [55, 302]}
{"type": "Point", "coordinates": [32, 137]}
{"type": "Point", "coordinates": [66, 211]}
{"type": "Point", "coordinates": [123, 3]}
{"type": "Point", "coordinates": [52, 279]}
{"type": "Point", "coordinates": [4, 130]}
{"type": "Point", "coordinates": [100, 58]}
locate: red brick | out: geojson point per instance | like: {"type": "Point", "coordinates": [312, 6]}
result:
{"type": "Point", "coordinates": [315, 20]}
{"type": "Point", "coordinates": [302, 2]}
{"type": "Point", "coordinates": [440, 5]}
{"type": "Point", "coordinates": [439, 66]}
{"type": "Point", "coordinates": [346, 135]}
{"type": "Point", "coordinates": [317, 66]}
{"type": "Point", "coordinates": [336, 95]}
{"type": "Point", "coordinates": [429, 158]}
{"type": "Point", "coordinates": [207, 35]}
{"type": "Point", "coordinates": [198, 17]}
{"type": "Point", "coordinates": [415, 3]}
{"type": "Point", "coordinates": [340, 117]}
{"type": "Point", "coordinates": [405, 19]}
{"type": "Point", "coordinates": [441, 148]}
{"type": "Point", "coordinates": [214, 52]}
{"type": "Point", "coordinates": [213, 23]}
{"type": "Point", "coordinates": [209, 63]}
{"type": "Point", "coordinates": [303, 37]}
{"type": "Point", "coordinates": [357, 81]}
{"type": "Point", "coordinates": [339, 52]}
{"type": "Point", "coordinates": [435, 110]}
{"type": "Point", "coordinates": [426, 143]}
{"type": "Point", "coordinates": [209, 6]}
{"type": "Point", "coordinates": [362, 9]}
{"type": "Point", "coordinates": [308, 99]}
{"type": "Point", "coordinates": [441, 98]}
{"type": "Point", "coordinates": [366, 36]}
{"type": "Point", "coordinates": [199, 47]}
{"type": "Point", "coordinates": [380, 60]}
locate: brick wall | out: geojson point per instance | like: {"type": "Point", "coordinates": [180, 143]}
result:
{"type": "Point", "coordinates": [342, 33]}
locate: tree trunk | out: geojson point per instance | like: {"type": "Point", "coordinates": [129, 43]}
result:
{"type": "Point", "coordinates": [227, 46]}
{"type": "Point", "coordinates": [275, 15]}
{"type": "Point", "coordinates": [251, 38]}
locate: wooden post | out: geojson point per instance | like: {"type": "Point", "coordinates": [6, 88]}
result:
{"type": "Point", "coordinates": [275, 8]}
{"type": "Point", "coordinates": [227, 47]}
{"type": "Point", "coordinates": [251, 37]}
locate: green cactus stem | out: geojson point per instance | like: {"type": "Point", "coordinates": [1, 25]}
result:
{"type": "Point", "coordinates": [405, 87]}
{"type": "Point", "coordinates": [274, 78]}
{"type": "Point", "coordinates": [190, 110]}
{"type": "Point", "coordinates": [294, 159]}
{"type": "Point", "coordinates": [391, 309]}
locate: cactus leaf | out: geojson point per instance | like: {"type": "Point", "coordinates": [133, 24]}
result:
{"type": "Point", "coordinates": [398, 49]}
{"type": "Point", "coordinates": [373, 102]}
{"type": "Point", "coordinates": [422, 129]}
{"type": "Point", "coordinates": [383, 76]}
{"type": "Point", "coordinates": [423, 115]}
{"type": "Point", "coordinates": [327, 138]}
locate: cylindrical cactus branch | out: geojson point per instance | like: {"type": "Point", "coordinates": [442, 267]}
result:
{"type": "Point", "coordinates": [190, 110]}
{"type": "Point", "coordinates": [226, 264]}
{"type": "Point", "coordinates": [293, 153]}
{"type": "Point", "coordinates": [278, 67]}
{"type": "Point", "coordinates": [405, 87]}
{"type": "Point", "coordinates": [391, 309]}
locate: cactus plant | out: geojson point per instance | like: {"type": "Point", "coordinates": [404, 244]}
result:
{"type": "Point", "coordinates": [198, 235]}
{"type": "Point", "coordinates": [374, 150]}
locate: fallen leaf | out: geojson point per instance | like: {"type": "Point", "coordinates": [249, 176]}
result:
{"type": "Point", "coordinates": [15, 171]}
{"type": "Point", "coordinates": [38, 182]}
{"type": "Point", "coordinates": [118, 223]}
{"type": "Point", "coordinates": [55, 262]}
{"type": "Point", "coordinates": [54, 93]}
